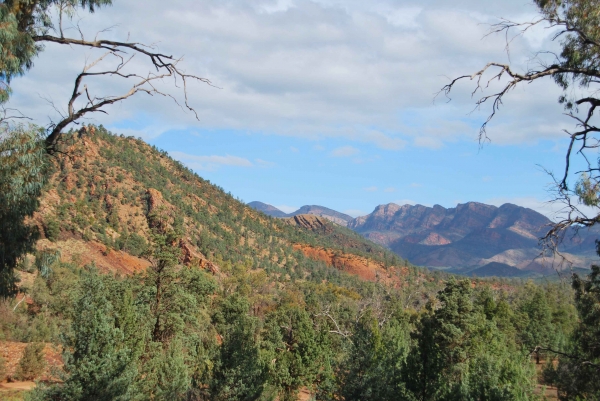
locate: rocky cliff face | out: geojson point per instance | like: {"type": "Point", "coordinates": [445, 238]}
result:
{"type": "Point", "coordinates": [469, 236]}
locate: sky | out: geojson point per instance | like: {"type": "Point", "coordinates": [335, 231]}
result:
{"type": "Point", "coordinates": [326, 102]}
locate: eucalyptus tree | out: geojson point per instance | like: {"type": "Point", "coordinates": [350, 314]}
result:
{"type": "Point", "coordinates": [22, 172]}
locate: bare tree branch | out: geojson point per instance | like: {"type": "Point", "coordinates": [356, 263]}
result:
{"type": "Point", "coordinates": [166, 67]}
{"type": "Point", "coordinates": [583, 142]}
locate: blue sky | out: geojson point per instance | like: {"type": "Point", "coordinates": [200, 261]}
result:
{"type": "Point", "coordinates": [291, 172]}
{"type": "Point", "coordinates": [327, 102]}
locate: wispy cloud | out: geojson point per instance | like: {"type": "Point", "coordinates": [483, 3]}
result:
{"type": "Point", "coordinates": [416, 185]}
{"type": "Point", "coordinates": [210, 162]}
{"type": "Point", "coordinates": [403, 202]}
{"type": "Point", "coordinates": [428, 142]}
{"type": "Point", "coordinates": [390, 189]}
{"type": "Point", "coordinates": [384, 141]}
{"type": "Point", "coordinates": [370, 189]}
{"type": "Point", "coordinates": [344, 151]}
{"type": "Point", "coordinates": [264, 163]}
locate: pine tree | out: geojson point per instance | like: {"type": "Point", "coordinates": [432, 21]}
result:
{"type": "Point", "coordinates": [32, 363]}
{"type": "Point", "coordinates": [461, 355]}
{"type": "Point", "coordinates": [293, 346]}
{"type": "Point", "coordinates": [240, 372]}
{"type": "Point", "coordinates": [98, 363]}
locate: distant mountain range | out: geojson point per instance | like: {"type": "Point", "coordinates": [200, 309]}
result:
{"type": "Point", "coordinates": [321, 211]}
{"type": "Point", "coordinates": [471, 238]}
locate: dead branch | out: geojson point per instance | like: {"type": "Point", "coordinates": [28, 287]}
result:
{"type": "Point", "coordinates": [583, 142]}
{"type": "Point", "coordinates": [142, 84]}
{"type": "Point", "coordinates": [164, 65]}
{"type": "Point", "coordinates": [569, 356]}
{"type": "Point", "coordinates": [338, 330]}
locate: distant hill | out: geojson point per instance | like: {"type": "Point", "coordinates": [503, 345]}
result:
{"type": "Point", "coordinates": [321, 211]}
{"type": "Point", "coordinates": [330, 214]}
{"type": "Point", "coordinates": [501, 241]}
{"type": "Point", "coordinates": [498, 270]}
{"type": "Point", "coordinates": [267, 209]}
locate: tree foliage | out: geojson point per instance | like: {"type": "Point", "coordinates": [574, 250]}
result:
{"type": "Point", "coordinates": [22, 177]}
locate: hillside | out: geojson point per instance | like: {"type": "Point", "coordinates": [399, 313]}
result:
{"type": "Point", "coordinates": [100, 201]}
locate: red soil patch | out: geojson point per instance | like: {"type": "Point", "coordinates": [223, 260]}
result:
{"type": "Point", "coordinates": [82, 252]}
{"type": "Point", "coordinates": [362, 267]}
{"type": "Point", "coordinates": [13, 351]}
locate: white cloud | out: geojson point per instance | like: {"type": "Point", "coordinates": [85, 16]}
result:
{"type": "Point", "coordinates": [390, 189]}
{"type": "Point", "coordinates": [264, 163]}
{"type": "Point", "coordinates": [383, 141]}
{"type": "Point", "coordinates": [313, 69]}
{"type": "Point", "coordinates": [428, 142]}
{"type": "Point", "coordinates": [344, 151]}
{"type": "Point", "coordinates": [416, 185]}
{"type": "Point", "coordinates": [210, 162]}
{"type": "Point", "coordinates": [370, 189]}
{"type": "Point", "coordinates": [402, 202]}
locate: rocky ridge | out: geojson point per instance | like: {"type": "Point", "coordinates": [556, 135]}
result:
{"type": "Point", "coordinates": [472, 238]}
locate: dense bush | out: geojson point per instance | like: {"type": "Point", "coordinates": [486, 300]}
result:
{"type": "Point", "coordinates": [32, 363]}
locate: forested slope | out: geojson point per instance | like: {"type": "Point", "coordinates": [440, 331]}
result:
{"type": "Point", "coordinates": [156, 284]}
{"type": "Point", "coordinates": [105, 188]}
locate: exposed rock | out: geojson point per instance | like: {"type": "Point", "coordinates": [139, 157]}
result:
{"type": "Point", "coordinates": [194, 258]}
{"type": "Point", "coordinates": [329, 214]}
{"type": "Point", "coordinates": [309, 222]}
{"type": "Point", "coordinates": [435, 239]}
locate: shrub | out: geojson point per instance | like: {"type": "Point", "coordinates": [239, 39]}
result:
{"type": "Point", "coordinates": [2, 369]}
{"type": "Point", "coordinates": [135, 244]}
{"type": "Point", "coordinates": [52, 230]}
{"type": "Point", "coordinates": [32, 363]}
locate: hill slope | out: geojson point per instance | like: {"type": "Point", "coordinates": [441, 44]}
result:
{"type": "Point", "coordinates": [102, 199]}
